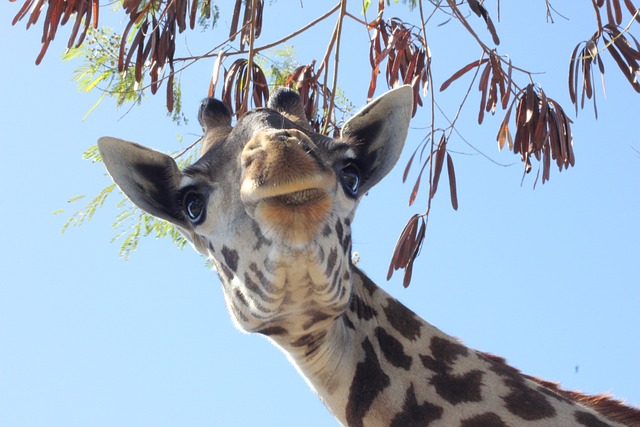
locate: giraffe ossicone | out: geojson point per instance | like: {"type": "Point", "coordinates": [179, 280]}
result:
{"type": "Point", "coordinates": [271, 204]}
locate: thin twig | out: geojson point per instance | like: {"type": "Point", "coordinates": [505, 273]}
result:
{"type": "Point", "coordinates": [474, 148]}
{"type": "Point", "coordinates": [252, 38]}
{"type": "Point", "coordinates": [183, 152]}
{"type": "Point", "coordinates": [212, 52]}
{"type": "Point", "coordinates": [433, 117]}
{"type": "Point", "coordinates": [327, 53]}
{"type": "Point", "coordinates": [336, 61]}
{"type": "Point", "coordinates": [355, 18]}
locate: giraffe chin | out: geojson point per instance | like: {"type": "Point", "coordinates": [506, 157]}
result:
{"type": "Point", "coordinates": [293, 219]}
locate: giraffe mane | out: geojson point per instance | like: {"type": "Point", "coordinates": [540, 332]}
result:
{"type": "Point", "coordinates": [605, 404]}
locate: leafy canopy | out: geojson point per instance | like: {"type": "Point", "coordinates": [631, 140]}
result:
{"type": "Point", "coordinates": [141, 57]}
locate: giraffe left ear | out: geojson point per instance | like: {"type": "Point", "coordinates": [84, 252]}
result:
{"type": "Point", "coordinates": [378, 132]}
{"type": "Point", "coordinates": [150, 179]}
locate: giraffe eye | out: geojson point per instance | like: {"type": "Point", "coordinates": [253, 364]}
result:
{"type": "Point", "coordinates": [350, 178]}
{"type": "Point", "coordinates": [194, 206]}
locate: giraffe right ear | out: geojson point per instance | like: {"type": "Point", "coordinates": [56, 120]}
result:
{"type": "Point", "coordinates": [377, 134]}
{"type": "Point", "coordinates": [150, 179]}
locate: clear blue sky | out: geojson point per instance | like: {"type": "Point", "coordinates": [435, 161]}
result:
{"type": "Point", "coordinates": [547, 278]}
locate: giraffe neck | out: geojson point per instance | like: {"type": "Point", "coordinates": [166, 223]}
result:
{"type": "Point", "coordinates": [379, 364]}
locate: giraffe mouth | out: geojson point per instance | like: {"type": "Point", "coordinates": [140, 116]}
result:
{"type": "Point", "coordinates": [294, 193]}
{"type": "Point", "coordinates": [297, 198]}
{"type": "Point", "coordinates": [291, 213]}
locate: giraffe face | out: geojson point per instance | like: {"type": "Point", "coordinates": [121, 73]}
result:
{"type": "Point", "coordinates": [270, 202]}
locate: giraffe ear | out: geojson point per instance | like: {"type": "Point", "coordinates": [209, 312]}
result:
{"type": "Point", "coordinates": [377, 133]}
{"type": "Point", "coordinates": [148, 178]}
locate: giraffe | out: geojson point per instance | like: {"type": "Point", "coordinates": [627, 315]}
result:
{"type": "Point", "coordinates": [271, 203]}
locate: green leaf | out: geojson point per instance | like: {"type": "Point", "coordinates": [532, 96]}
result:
{"type": "Point", "coordinates": [89, 210]}
{"type": "Point", "coordinates": [95, 82]}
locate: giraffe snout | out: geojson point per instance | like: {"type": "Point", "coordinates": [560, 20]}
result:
{"type": "Point", "coordinates": [285, 186]}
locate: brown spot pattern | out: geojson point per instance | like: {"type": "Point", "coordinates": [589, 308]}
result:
{"type": "Point", "coordinates": [488, 419]}
{"type": "Point", "coordinates": [589, 420]}
{"type": "Point", "coordinates": [368, 382]}
{"type": "Point", "coordinates": [339, 230]}
{"type": "Point", "coordinates": [230, 258]}
{"type": "Point", "coordinates": [453, 388]}
{"type": "Point", "coordinates": [367, 283]}
{"type": "Point", "coordinates": [523, 401]}
{"type": "Point", "coordinates": [226, 271]}
{"type": "Point", "coordinates": [393, 350]}
{"type": "Point", "coordinates": [315, 317]}
{"type": "Point", "coordinates": [402, 319]}
{"type": "Point", "coordinates": [361, 309]}
{"type": "Point", "coordinates": [331, 261]}
{"type": "Point", "coordinates": [273, 330]}
{"type": "Point", "coordinates": [347, 322]}
{"type": "Point", "coordinates": [414, 414]}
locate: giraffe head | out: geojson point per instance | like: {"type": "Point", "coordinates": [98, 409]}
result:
{"type": "Point", "coordinates": [270, 202]}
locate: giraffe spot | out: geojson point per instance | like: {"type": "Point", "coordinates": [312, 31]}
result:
{"type": "Point", "coordinates": [311, 341]}
{"type": "Point", "coordinates": [589, 420]}
{"type": "Point", "coordinates": [315, 317]}
{"type": "Point", "coordinates": [313, 347]}
{"type": "Point", "coordinates": [366, 282]}
{"type": "Point", "coordinates": [331, 261]}
{"type": "Point", "coordinates": [523, 400]}
{"type": "Point", "coordinates": [453, 388]}
{"type": "Point", "coordinates": [273, 330]}
{"type": "Point", "coordinates": [527, 403]}
{"type": "Point", "coordinates": [488, 419]}
{"type": "Point", "coordinates": [347, 322]}
{"type": "Point", "coordinates": [343, 238]}
{"type": "Point", "coordinates": [402, 319]}
{"type": "Point", "coordinates": [346, 244]}
{"type": "Point", "coordinates": [415, 415]}
{"type": "Point", "coordinates": [240, 297]}
{"type": "Point", "coordinates": [266, 283]}
{"type": "Point", "coordinates": [339, 230]}
{"type": "Point", "coordinates": [457, 389]}
{"type": "Point", "coordinates": [334, 284]}
{"type": "Point", "coordinates": [447, 351]}
{"type": "Point", "coordinates": [226, 271]}
{"type": "Point", "coordinates": [230, 258]}
{"type": "Point", "coordinates": [343, 291]}
{"type": "Point", "coordinates": [303, 341]}
{"type": "Point", "coordinates": [257, 290]}
{"type": "Point", "coordinates": [336, 279]}
{"type": "Point", "coordinates": [393, 350]}
{"type": "Point", "coordinates": [361, 309]}
{"type": "Point", "coordinates": [368, 382]}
